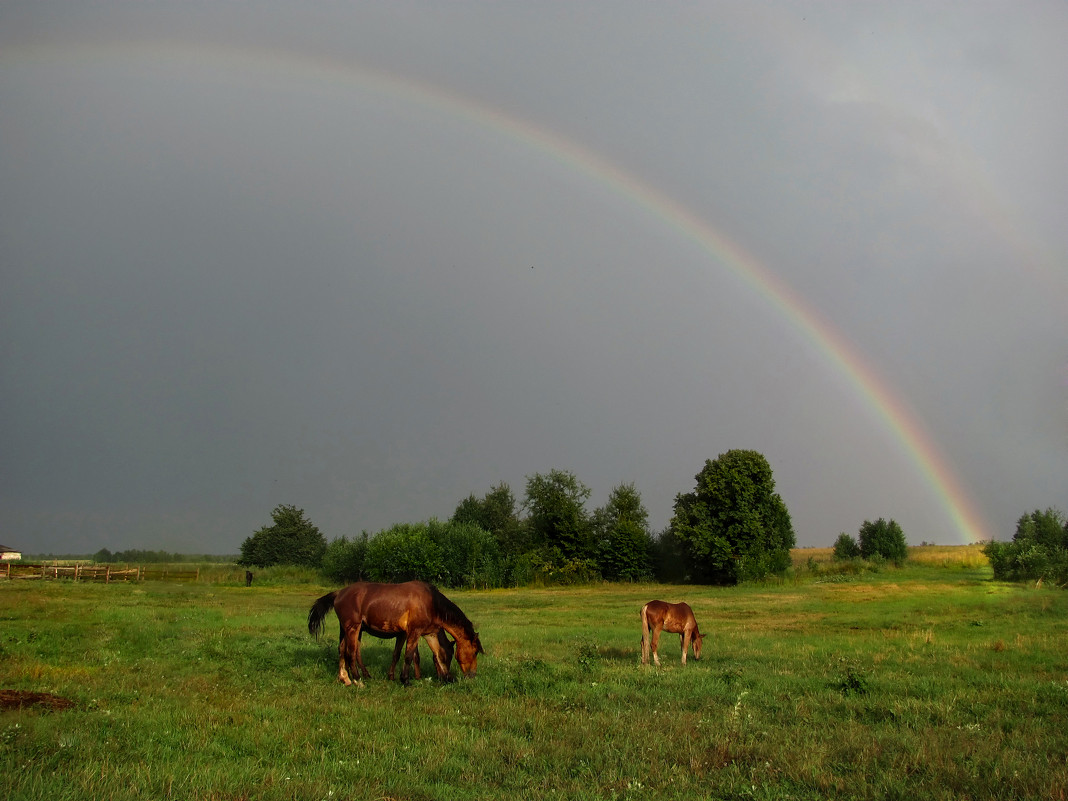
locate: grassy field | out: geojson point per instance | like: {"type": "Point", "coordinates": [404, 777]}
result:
{"type": "Point", "coordinates": [930, 681]}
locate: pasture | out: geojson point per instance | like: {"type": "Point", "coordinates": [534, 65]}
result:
{"type": "Point", "coordinates": [930, 681]}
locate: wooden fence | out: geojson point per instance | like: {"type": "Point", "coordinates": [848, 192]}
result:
{"type": "Point", "coordinates": [104, 573]}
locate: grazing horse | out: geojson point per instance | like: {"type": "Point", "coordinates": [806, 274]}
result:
{"type": "Point", "coordinates": [411, 610]}
{"type": "Point", "coordinates": [676, 618]}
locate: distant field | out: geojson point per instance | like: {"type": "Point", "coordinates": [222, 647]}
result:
{"type": "Point", "coordinates": [944, 555]}
{"type": "Point", "coordinates": [930, 682]}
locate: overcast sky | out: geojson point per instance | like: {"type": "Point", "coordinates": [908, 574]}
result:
{"type": "Point", "coordinates": [369, 259]}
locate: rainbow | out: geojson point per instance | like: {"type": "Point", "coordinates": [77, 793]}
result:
{"type": "Point", "coordinates": [916, 444]}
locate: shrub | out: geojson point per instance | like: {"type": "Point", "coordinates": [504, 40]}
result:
{"type": "Point", "coordinates": [1039, 549]}
{"type": "Point", "coordinates": [344, 560]}
{"type": "Point", "coordinates": [403, 553]}
{"type": "Point", "coordinates": [845, 548]}
{"type": "Point", "coordinates": [549, 565]}
{"type": "Point", "coordinates": [883, 539]}
{"type": "Point", "coordinates": [471, 555]}
{"type": "Point", "coordinates": [446, 553]}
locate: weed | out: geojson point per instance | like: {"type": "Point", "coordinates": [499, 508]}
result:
{"type": "Point", "coordinates": [852, 680]}
{"type": "Point", "coordinates": [588, 657]}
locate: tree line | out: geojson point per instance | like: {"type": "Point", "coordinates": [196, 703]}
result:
{"type": "Point", "coordinates": [731, 527]}
{"type": "Point", "coordinates": [139, 556]}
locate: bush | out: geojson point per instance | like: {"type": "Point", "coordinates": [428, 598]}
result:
{"type": "Point", "coordinates": [445, 553]}
{"type": "Point", "coordinates": [549, 565]}
{"type": "Point", "coordinates": [471, 555]}
{"type": "Point", "coordinates": [883, 539]}
{"type": "Point", "coordinates": [1039, 549]}
{"type": "Point", "coordinates": [403, 553]}
{"type": "Point", "coordinates": [343, 560]}
{"type": "Point", "coordinates": [845, 548]}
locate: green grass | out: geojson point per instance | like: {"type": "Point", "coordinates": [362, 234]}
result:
{"type": "Point", "coordinates": [924, 682]}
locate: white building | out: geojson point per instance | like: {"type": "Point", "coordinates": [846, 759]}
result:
{"type": "Point", "coordinates": [8, 554]}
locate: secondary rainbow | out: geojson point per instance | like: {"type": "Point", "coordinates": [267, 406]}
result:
{"type": "Point", "coordinates": [903, 426]}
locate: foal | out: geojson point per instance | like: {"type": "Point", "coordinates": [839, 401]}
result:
{"type": "Point", "coordinates": [676, 618]}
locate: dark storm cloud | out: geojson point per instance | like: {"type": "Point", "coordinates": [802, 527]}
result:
{"type": "Point", "coordinates": [233, 284]}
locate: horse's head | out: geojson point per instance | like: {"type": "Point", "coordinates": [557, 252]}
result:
{"type": "Point", "coordinates": [697, 640]}
{"type": "Point", "coordinates": [467, 651]}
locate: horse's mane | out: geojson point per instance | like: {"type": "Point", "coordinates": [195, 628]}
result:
{"type": "Point", "coordinates": [450, 612]}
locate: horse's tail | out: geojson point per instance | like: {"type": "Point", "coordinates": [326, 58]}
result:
{"type": "Point", "coordinates": [318, 612]}
{"type": "Point", "coordinates": [645, 633]}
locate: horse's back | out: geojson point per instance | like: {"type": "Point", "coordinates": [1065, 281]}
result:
{"type": "Point", "coordinates": [384, 607]}
{"type": "Point", "coordinates": [682, 615]}
{"type": "Point", "coordinates": [673, 617]}
{"type": "Point", "coordinates": [655, 612]}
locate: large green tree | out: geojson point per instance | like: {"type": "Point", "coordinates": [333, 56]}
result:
{"type": "Point", "coordinates": [556, 508]}
{"type": "Point", "coordinates": [292, 540]}
{"type": "Point", "coordinates": [734, 525]}
{"type": "Point", "coordinates": [621, 529]}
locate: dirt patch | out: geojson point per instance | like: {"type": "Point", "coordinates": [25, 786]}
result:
{"type": "Point", "coordinates": [19, 699]}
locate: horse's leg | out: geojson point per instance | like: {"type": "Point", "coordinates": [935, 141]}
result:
{"type": "Point", "coordinates": [397, 645]}
{"type": "Point", "coordinates": [439, 658]}
{"type": "Point", "coordinates": [343, 659]}
{"type": "Point", "coordinates": [656, 645]}
{"type": "Point", "coordinates": [396, 658]}
{"type": "Point", "coordinates": [355, 650]}
{"type": "Point", "coordinates": [352, 655]}
{"type": "Point", "coordinates": [645, 636]}
{"type": "Point", "coordinates": [685, 643]}
{"type": "Point", "coordinates": [410, 654]}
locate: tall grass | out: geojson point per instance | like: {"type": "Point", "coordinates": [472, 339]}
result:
{"type": "Point", "coordinates": [918, 682]}
{"type": "Point", "coordinates": [961, 556]}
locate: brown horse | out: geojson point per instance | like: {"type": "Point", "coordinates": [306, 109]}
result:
{"type": "Point", "coordinates": [411, 610]}
{"type": "Point", "coordinates": [676, 618]}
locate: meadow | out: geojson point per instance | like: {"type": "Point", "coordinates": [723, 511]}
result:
{"type": "Point", "coordinates": [926, 681]}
